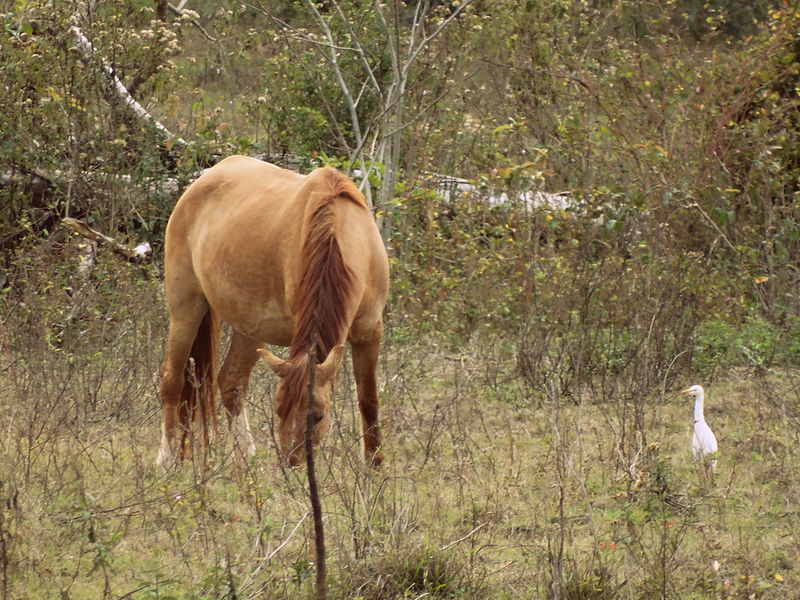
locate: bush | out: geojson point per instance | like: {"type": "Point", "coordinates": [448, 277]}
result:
{"type": "Point", "coordinates": [414, 572]}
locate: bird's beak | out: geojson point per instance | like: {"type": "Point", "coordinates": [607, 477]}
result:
{"type": "Point", "coordinates": [685, 391]}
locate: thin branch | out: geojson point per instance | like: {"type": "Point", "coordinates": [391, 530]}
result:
{"type": "Point", "coordinates": [322, 95]}
{"type": "Point", "coordinates": [425, 109]}
{"type": "Point", "coordinates": [178, 10]}
{"type": "Point", "coordinates": [286, 541]}
{"type": "Point", "coordinates": [313, 489]}
{"type": "Point", "coordinates": [461, 539]}
{"type": "Point", "coordinates": [360, 51]}
{"type": "Point", "coordinates": [338, 73]}
{"type": "Point", "coordinates": [297, 32]}
{"type": "Point", "coordinates": [427, 40]}
{"type": "Point", "coordinates": [153, 584]}
{"type": "Point", "coordinates": [711, 222]}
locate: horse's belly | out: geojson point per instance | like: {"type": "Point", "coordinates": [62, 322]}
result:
{"type": "Point", "coordinates": [269, 332]}
{"type": "Point", "coordinates": [272, 331]}
{"type": "Point", "coordinates": [259, 319]}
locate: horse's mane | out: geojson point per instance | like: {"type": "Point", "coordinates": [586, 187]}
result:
{"type": "Point", "coordinates": [325, 281]}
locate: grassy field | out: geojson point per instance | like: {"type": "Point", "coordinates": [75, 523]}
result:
{"type": "Point", "coordinates": [490, 490]}
{"type": "Point", "coordinates": [537, 445]}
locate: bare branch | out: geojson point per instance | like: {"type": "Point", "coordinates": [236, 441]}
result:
{"type": "Point", "coordinates": [297, 32]}
{"type": "Point", "coordinates": [461, 539]}
{"type": "Point", "coordinates": [313, 489]}
{"type": "Point", "coordinates": [284, 542]}
{"type": "Point", "coordinates": [333, 58]}
{"type": "Point", "coordinates": [89, 53]}
{"type": "Point", "coordinates": [427, 40]}
{"type": "Point", "coordinates": [178, 10]}
{"type": "Point", "coordinates": [360, 51]}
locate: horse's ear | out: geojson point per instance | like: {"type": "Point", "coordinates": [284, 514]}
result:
{"type": "Point", "coordinates": [276, 363]}
{"type": "Point", "coordinates": [329, 368]}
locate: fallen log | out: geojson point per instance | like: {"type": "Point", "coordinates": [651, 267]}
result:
{"type": "Point", "coordinates": [136, 254]}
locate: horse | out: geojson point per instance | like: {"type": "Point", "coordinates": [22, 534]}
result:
{"type": "Point", "coordinates": [284, 259]}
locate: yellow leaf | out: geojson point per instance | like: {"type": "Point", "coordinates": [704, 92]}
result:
{"type": "Point", "coordinates": [52, 93]}
{"type": "Point", "coordinates": [778, 577]}
{"type": "Point", "coordinates": [760, 279]}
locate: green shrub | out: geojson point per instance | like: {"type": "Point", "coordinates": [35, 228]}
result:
{"type": "Point", "coordinates": [414, 572]}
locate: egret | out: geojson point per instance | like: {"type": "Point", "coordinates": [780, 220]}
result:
{"type": "Point", "coordinates": [703, 441]}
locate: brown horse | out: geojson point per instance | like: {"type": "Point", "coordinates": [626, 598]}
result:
{"type": "Point", "coordinates": [284, 259]}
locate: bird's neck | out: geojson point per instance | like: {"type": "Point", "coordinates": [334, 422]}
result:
{"type": "Point", "coordinates": [698, 408]}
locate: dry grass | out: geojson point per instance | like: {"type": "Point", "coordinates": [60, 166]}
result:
{"type": "Point", "coordinates": [489, 492]}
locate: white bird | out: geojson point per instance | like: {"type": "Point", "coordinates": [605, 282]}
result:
{"type": "Point", "coordinates": [703, 441]}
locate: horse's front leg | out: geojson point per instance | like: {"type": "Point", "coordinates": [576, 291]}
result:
{"type": "Point", "coordinates": [365, 362]}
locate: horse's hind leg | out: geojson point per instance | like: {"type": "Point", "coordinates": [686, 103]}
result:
{"type": "Point", "coordinates": [234, 378]}
{"type": "Point", "coordinates": [365, 362]}
{"type": "Point", "coordinates": [183, 326]}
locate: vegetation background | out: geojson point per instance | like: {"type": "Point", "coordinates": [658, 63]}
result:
{"type": "Point", "coordinates": [537, 446]}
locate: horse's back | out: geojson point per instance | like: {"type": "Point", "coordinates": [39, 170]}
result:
{"type": "Point", "coordinates": [239, 199]}
{"type": "Point", "coordinates": [236, 236]}
{"type": "Point", "coordinates": [232, 181]}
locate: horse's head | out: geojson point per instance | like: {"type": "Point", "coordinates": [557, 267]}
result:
{"type": "Point", "coordinates": [292, 395]}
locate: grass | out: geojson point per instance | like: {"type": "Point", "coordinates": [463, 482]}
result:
{"type": "Point", "coordinates": [490, 492]}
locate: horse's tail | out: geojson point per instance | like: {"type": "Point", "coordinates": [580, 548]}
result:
{"type": "Point", "coordinates": [199, 384]}
{"type": "Point", "coordinates": [325, 279]}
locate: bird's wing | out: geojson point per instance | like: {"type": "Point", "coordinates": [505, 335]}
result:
{"type": "Point", "coordinates": [703, 440]}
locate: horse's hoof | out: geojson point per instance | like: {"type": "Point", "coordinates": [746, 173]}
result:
{"type": "Point", "coordinates": [376, 459]}
{"type": "Point", "coordinates": [166, 459]}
